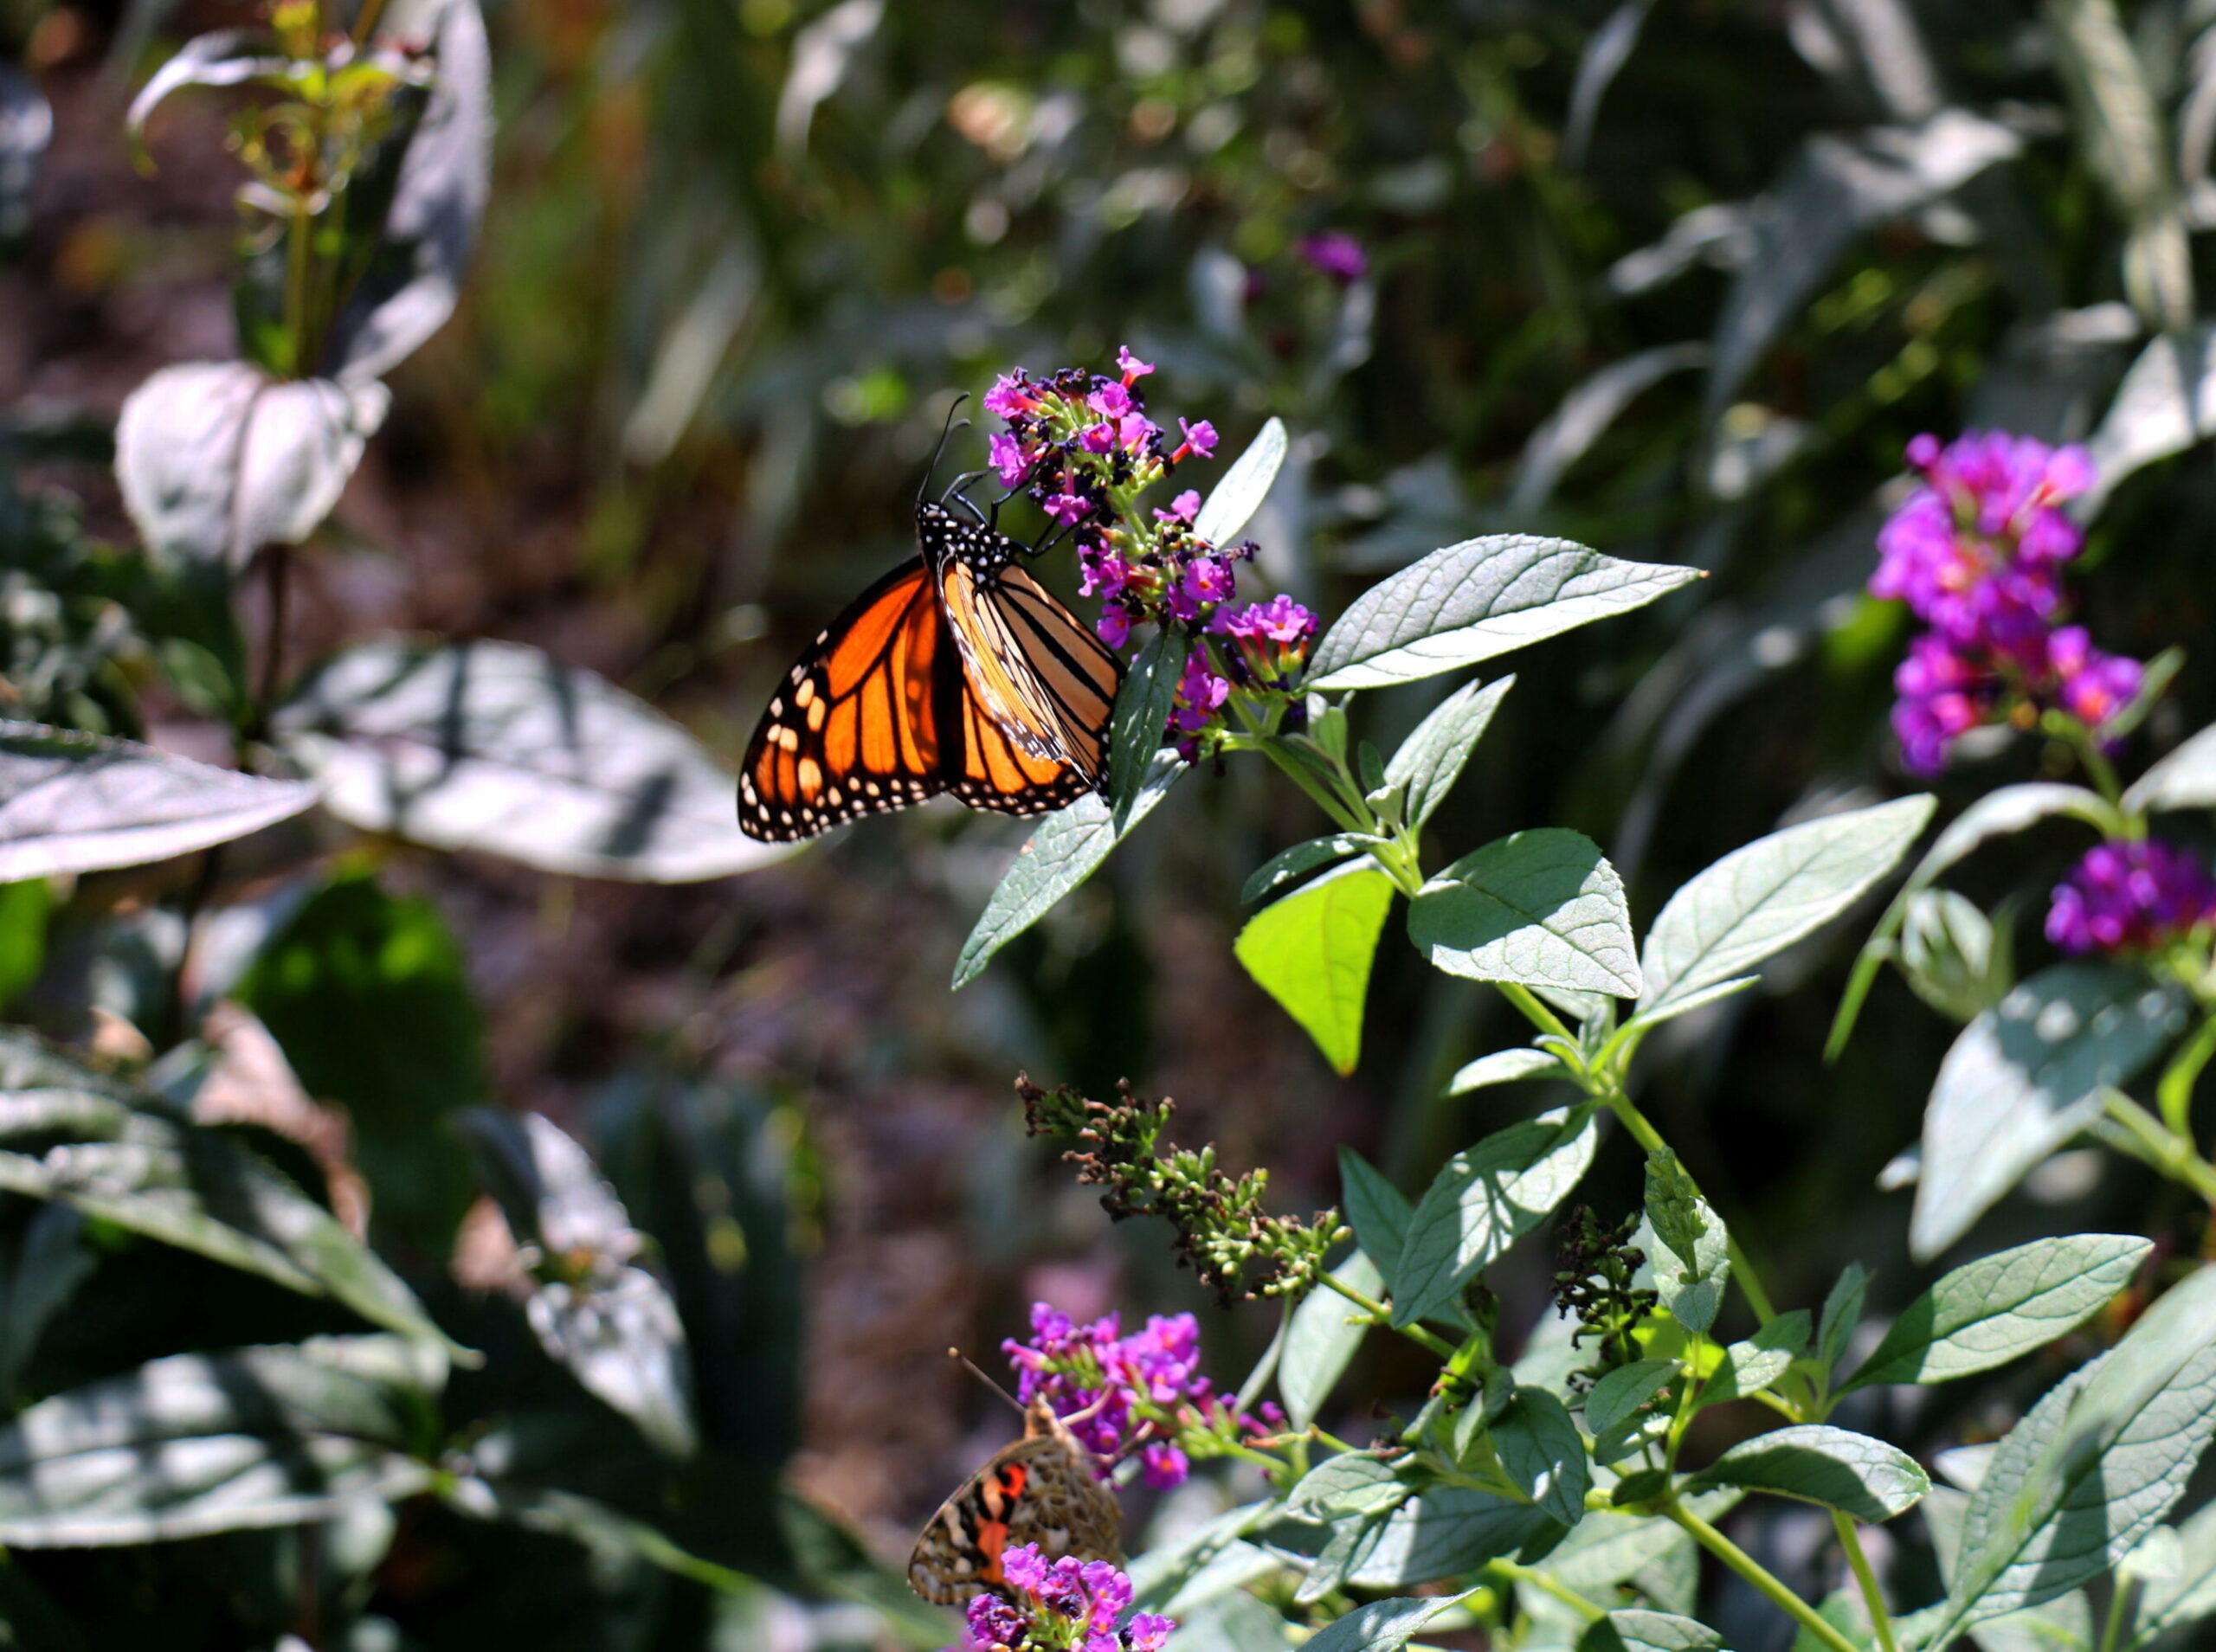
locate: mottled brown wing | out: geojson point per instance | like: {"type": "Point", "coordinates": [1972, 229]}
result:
{"type": "Point", "coordinates": [1042, 1490]}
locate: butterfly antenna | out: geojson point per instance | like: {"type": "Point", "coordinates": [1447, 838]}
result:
{"type": "Point", "coordinates": [945, 430]}
{"type": "Point", "coordinates": [956, 1353]}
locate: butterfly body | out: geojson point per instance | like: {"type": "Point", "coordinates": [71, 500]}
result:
{"type": "Point", "coordinates": [1043, 1489]}
{"type": "Point", "coordinates": [957, 673]}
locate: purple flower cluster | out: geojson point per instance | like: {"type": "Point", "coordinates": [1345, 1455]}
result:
{"type": "Point", "coordinates": [2130, 897]}
{"type": "Point", "coordinates": [1066, 1606]}
{"type": "Point", "coordinates": [1119, 1391]}
{"type": "Point", "coordinates": [1977, 553]}
{"type": "Point", "coordinates": [1074, 435]}
{"type": "Point", "coordinates": [1081, 445]}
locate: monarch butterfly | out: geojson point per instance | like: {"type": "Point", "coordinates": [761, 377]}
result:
{"type": "Point", "coordinates": [956, 672]}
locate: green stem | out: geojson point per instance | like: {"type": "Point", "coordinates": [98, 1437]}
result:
{"type": "Point", "coordinates": [1528, 1003]}
{"type": "Point", "coordinates": [1380, 1314]}
{"type": "Point", "coordinates": [1873, 1597]}
{"type": "Point", "coordinates": [1532, 1577]}
{"type": "Point", "coordinates": [1307, 783]}
{"type": "Point", "coordinates": [1738, 1560]}
{"type": "Point", "coordinates": [367, 22]}
{"type": "Point", "coordinates": [2119, 1615]}
{"type": "Point", "coordinates": [2168, 1152]}
{"type": "Point", "coordinates": [2174, 1092]}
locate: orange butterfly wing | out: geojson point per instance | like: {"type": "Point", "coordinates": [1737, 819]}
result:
{"type": "Point", "coordinates": [926, 684]}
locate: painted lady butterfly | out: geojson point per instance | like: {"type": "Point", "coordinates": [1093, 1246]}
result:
{"type": "Point", "coordinates": [1043, 1489]}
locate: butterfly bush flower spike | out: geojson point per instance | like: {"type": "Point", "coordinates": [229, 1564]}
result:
{"type": "Point", "coordinates": [1066, 1606]}
{"type": "Point", "coordinates": [1119, 1393]}
{"type": "Point", "coordinates": [2131, 897]}
{"type": "Point", "coordinates": [1082, 446]}
{"type": "Point", "coordinates": [1976, 552]}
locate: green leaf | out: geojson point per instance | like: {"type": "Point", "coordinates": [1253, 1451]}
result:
{"type": "Point", "coordinates": [1067, 848]}
{"type": "Point", "coordinates": [1842, 1313]}
{"type": "Point", "coordinates": [1311, 951]}
{"type": "Point", "coordinates": [1540, 907]}
{"type": "Point", "coordinates": [613, 1325]}
{"type": "Point", "coordinates": [1863, 1478]}
{"type": "Point", "coordinates": [1141, 714]}
{"type": "Point", "coordinates": [1952, 956]}
{"type": "Point", "coordinates": [1691, 1280]}
{"type": "Point", "coordinates": [1998, 813]}
{"type": "Point", "coordinates": [369, 998]}
{"type": "Point", "coordinates": [2022, 1079]}
{"type": "Point", "coordinates": [2002, 1306]}
{"type": "Point", "coordinates": [1288, 864]}
{"type": "Point", "coordinates": [2185, 1591]}
{"type": "Point", "coordinates": [1614, 1411]}
{"type": "Point", "coordinates": [2091, 1470]}
{"type": "Point", "coordinates": [1760, 899]}
{"type": "Point", "coordinates": [494, 747]}
{"type": "Point", "coordinates": [1378, 1212]}
{"type": "Point", "coordinates": [1431, 759]}
{"type": "Point", "coordinates": [1504, 1067]}
{"type": "Point", "coordinates": [1345, 1486]}
{"type": "Point", "coordinates": [2185, 778]}
{"type": "Point", "coordinates": [1381, 1626]}
{"type": "Point", "coordinates": [1482, 1201]}
{"type": "Point", "coordinates": [1470, 601]}
{"type": "Point", "coordinates": [1233, 501]}
{"type": "Point", "coordinates": [1447, 1531]}
{"type": "Point", "coordinates": [202, 1442]}
{"type": "Point", "coordinates": [82, 802]}
{"type": "Point", "coordinates": [1629, 1629]}
{"type": "Point", "coordinates": [1749, 1367]}
{"type": "Point", "coordinates": [1542, 1452]}
{"type": "Point", "coordinates": [1321, 1340]}
{"type": "Point", "coordinates": [110, 1153]}
{"type": "Point", "coordinates": [46, 1260]}
{"type": "Point", "coordinates": [23, 908]}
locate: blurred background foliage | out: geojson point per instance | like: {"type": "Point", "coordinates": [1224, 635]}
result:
{"type": "Point", "coordinates": [1674, 278]}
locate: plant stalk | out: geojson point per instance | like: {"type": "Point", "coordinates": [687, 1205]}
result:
{"type": "Point", "coordinates": [1754, 1572]}
{"type": "Point", "coordinates": [1850, 1538]}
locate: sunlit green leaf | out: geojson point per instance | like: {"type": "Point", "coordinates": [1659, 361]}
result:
{"type": "Point", "coordinates": [1999, 1306]}
{"type": "Point", "coordinates": [1542, 908]}
{"type": "Point", "coordinates": [1468, 602]}
{"type": "Point", "coordinates": [1311, 951]}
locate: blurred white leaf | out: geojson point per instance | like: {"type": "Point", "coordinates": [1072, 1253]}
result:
{"type": "Point", "coordinates": [1584, 417]}
{"type": "Point", "coordinates": [494, 747]}
{"type": "Point", "coordinates": [1833, 191]}
{"type": "Point", "coordinates": [823, 54]}
{"type": "Point", "coordinates": [1606, 50]}
{"type": "Point", "coordinates": [437, 203]}
{"type": "Point", "coordinates": [217, 460]}
{"type": "Point", "coordinates": [79, 802]}
{"type": "Point", "coordinates": [2166, 404]}
{"type": "Point", "coordinates": [26, 127]}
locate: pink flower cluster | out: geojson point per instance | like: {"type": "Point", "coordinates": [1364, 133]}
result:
{"type": "Point", "coordinates": [1120, 1391]}
{"type": "Point", "coordinates": [1976, 553]}
{"type": "Point", "coordinates": [1065, 1605]}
